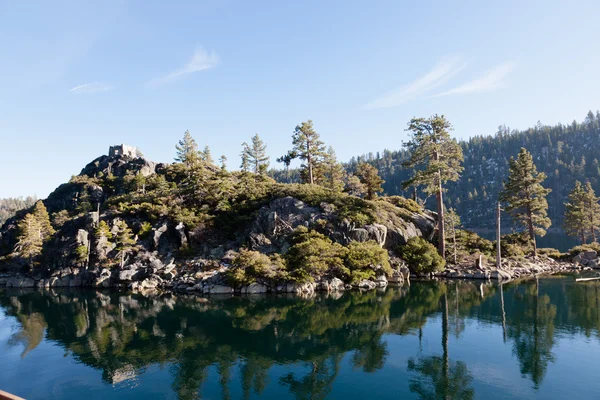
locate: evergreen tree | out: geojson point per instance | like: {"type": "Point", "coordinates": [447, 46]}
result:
{"type": "Point", "coordinates": [102, 238]}
{"type": "Point", "coordinates": [332, 171]}
{"type": "Point", "coordinates": [308, 147]}
{"type": "Point", "coordinates": [439, 158]}
{"type": "Point", "coordinates": [187, 150]}
{"type": "Point", "coordinates": [29, 240]}
{"type": "Point", "coordinates": [370, 179]}
{"type": "Point", "coordinates": [257, 155]}
{"type": "Point", "coordinates": [575, 220]}
{"type": "Point", "coordinates": [355, 187]}
{"type": "Point", "coordinates": [206, 156]}
{"type": "Point", "coordinates": [124, 240]}
{"type": "Point", "coordinates": [223, 162]}
{"type": "Point", "coordinates": [452, 221]}
{"type": "Point", "coordinates": [525, 197]}
{"type": "Point", "coordinates": [592, 209]}
{"type": "Point", "coordinates": [245, 165]}
{"type": "Point", "coordinates": [41, 215]}
{"type": "Point", "coordinates": [286, 160]}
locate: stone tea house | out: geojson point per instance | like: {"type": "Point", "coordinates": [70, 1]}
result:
{"type": "Point", "coordinates": [122, 150]}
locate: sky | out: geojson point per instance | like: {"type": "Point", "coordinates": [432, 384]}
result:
{"type": "Point", "coordinates": [79, 76]}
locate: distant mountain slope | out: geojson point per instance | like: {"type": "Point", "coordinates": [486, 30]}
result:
{"type": "Point", "coordinates": [566, 153]}
{"type": "Point", "coordinates": [9, 206]}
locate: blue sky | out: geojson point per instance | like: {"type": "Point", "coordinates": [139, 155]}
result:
{"type": "Point", "coordinates": [79, 76]}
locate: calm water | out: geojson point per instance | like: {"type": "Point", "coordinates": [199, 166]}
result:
{"type": "Point", "coordinates": [432, 340]}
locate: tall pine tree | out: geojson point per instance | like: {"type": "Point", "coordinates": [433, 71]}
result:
{"type": "Point", "coordinates": [187, 150]}
{"type": "Point", "coordinates": [592, 210]}
{"type": "Point", "coordinates": [575, 220]}
{"type": "Point", "coordinates": [29, 240]}
{"type": "Point", "coordinates": [308, 147]}
{"type": "Point", "coordinates": [525, 197]}
{"type": "Point", "coordinates": [438, 158]}
{"type": "Point", "coordinates": [370, 179]}
{"type": "Point", "coordinates": [257, 155]}
{"type": "Point", "coordinates": [41, 215]}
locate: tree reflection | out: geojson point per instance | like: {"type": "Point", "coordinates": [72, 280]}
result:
{"type": "Point", "coordinates": [437, 377]}
{"type": "Point", "coordinates": [317, 383]}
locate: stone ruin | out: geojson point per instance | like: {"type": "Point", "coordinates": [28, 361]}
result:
{"type": "Point", "coordinates": [122, 150]}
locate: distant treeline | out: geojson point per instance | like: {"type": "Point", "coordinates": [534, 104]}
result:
{"type": "Point", "coordinates": [10, 205]}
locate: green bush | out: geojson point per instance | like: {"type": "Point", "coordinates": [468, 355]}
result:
{"type": "Point", "coordinates": [251, 266]}
{"type": "Point", "coordinates": [585, 247]}
{"type": "Point", "coordinates": [550, 252]}
{"type": "Point", "coordinates": [145, 229]}
{"type": "Point", "coordinates": [315, 255]}
{"type": "Point", "coordinates": [421, 256]}
{"type": "Point", "coordinates": [515, 245]}
{"type": "Point", "coordinates": [363, 260]}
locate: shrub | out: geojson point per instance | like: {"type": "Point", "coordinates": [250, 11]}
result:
{"type": "Point", "coordinates": [364, 258]}
{"type": "Point", "coordinates": [250, 266]}
{"type": "Point", "coordinates": [421, 256]}
{"type": "Point", "coordinates": [585, 247]}
{"type": "Point", "coordinates": [550, 252]}
{"type": "Point", "coordinates": [515, 245]}
{"type": "Point", "coordinates": [145, 229]}
{"type": "Point", "coordinates": [314, 254]}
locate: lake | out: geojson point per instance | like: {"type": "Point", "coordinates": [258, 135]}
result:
{"type": "Point", "coordinates": [456, 340]}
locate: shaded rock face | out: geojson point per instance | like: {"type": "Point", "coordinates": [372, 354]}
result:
{"type": "Point", "coordinates": [119, 166]}
{"type": "Point", "coordinates": [276, 221]}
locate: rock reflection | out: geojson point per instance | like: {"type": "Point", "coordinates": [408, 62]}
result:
{"type": "Point", "coordinates": [243, 339]}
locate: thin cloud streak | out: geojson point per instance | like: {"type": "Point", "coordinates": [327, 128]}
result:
{"type": "Point", "coordinates": [91, 88]}
{"type": "Point", "coordinates": [492, 80]}
{"type": "Point", "coordinates": [440, 74]}
{"type": "Point", "coordinates": [201, 61]}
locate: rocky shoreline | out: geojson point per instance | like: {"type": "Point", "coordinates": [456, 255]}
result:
{"type": "Point", "coordinates": [207, 278]}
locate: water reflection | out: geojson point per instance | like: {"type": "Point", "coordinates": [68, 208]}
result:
{"type": "Point", "coordinates": [243, 340]}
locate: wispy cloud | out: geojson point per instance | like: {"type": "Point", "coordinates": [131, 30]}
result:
{"type": "Point", "coordinates": [440, 74]}
{"type": "Point", "coordinates": [493, 79]}
{"type": "Point", "coordinates": [201, 60]}
{"type": "Point", "coordinates": [91, 88]}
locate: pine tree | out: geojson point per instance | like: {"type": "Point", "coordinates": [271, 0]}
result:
{"type": "Point", "coordinates": [102, 238]}
{"type": "Point", "coordinates": [41, 215]}
{"type": "Point", "coordinates": [257, 155]}
{"type": "Point", "coordinates": [525, 197]}
{"type": "Point", "coordinates": [245, 165]}
{"type": "Point", "coordinates": [592, 210]}
{"type": "Point", "coordinates": [439, 157]}
{"type": "Point", "coordinates": [452, 222]}
{"type": "Point", "coordinates": [29, 240]}
{"type": "Point", "coordinates": [370, 179]}
{"type": "Point", "coordinates": [354, 186]}
{"type": "Point", "coordinates": [187, 150]}
{"type": "Point", "coordinates": [124, 240]}
{"type": "Point", "coordinates": [223, 162]}
{"type": "Point", "coordinates": [332, 171]}
{"type": "Point", "coordinates": [308, 147]}
{"type": "Point", "coordinates": [206, 156]}
{"type": "Point", "coordinates": [286, 160]}
{"type": "Point", "coordinates": [575, 220]}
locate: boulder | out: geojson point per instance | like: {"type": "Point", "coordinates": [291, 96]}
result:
{"type": "Point", "coordinates": [381, 281]}
{"type": "Point", "coordinates": [220, 289]}
{"type": "Point", "coordinates": [180, 228]}
{"type": "Point", "coordinates": [336, 285]}
{"type": "Point", "coordinates": [366, 284]}
{"type": "Point", "coordinates": [254, 288]}
{"type": "Point", "coordinates": [127, 274]}
{"type": "Point", "coordinates": [500, 275]}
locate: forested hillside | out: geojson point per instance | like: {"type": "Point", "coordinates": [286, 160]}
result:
{"type": "Point", "coordinates": [566, 153]}
{"type": "Point", "coordinates": [9, 206]}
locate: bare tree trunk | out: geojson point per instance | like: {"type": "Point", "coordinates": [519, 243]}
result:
{"type": "Point", "coordinates": [309, 160]}
{"type": "Point", "coordinates": [441, 232]}
{"type": "Point", "coordinates": [498, 235]}
{"type": "Point", "coordinates": [531, 231]}
{"type": "Point", "coordinates": [454, 243]}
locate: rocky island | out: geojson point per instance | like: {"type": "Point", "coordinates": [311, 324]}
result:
{"type": "Point", "coordinates": [192, 226]}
